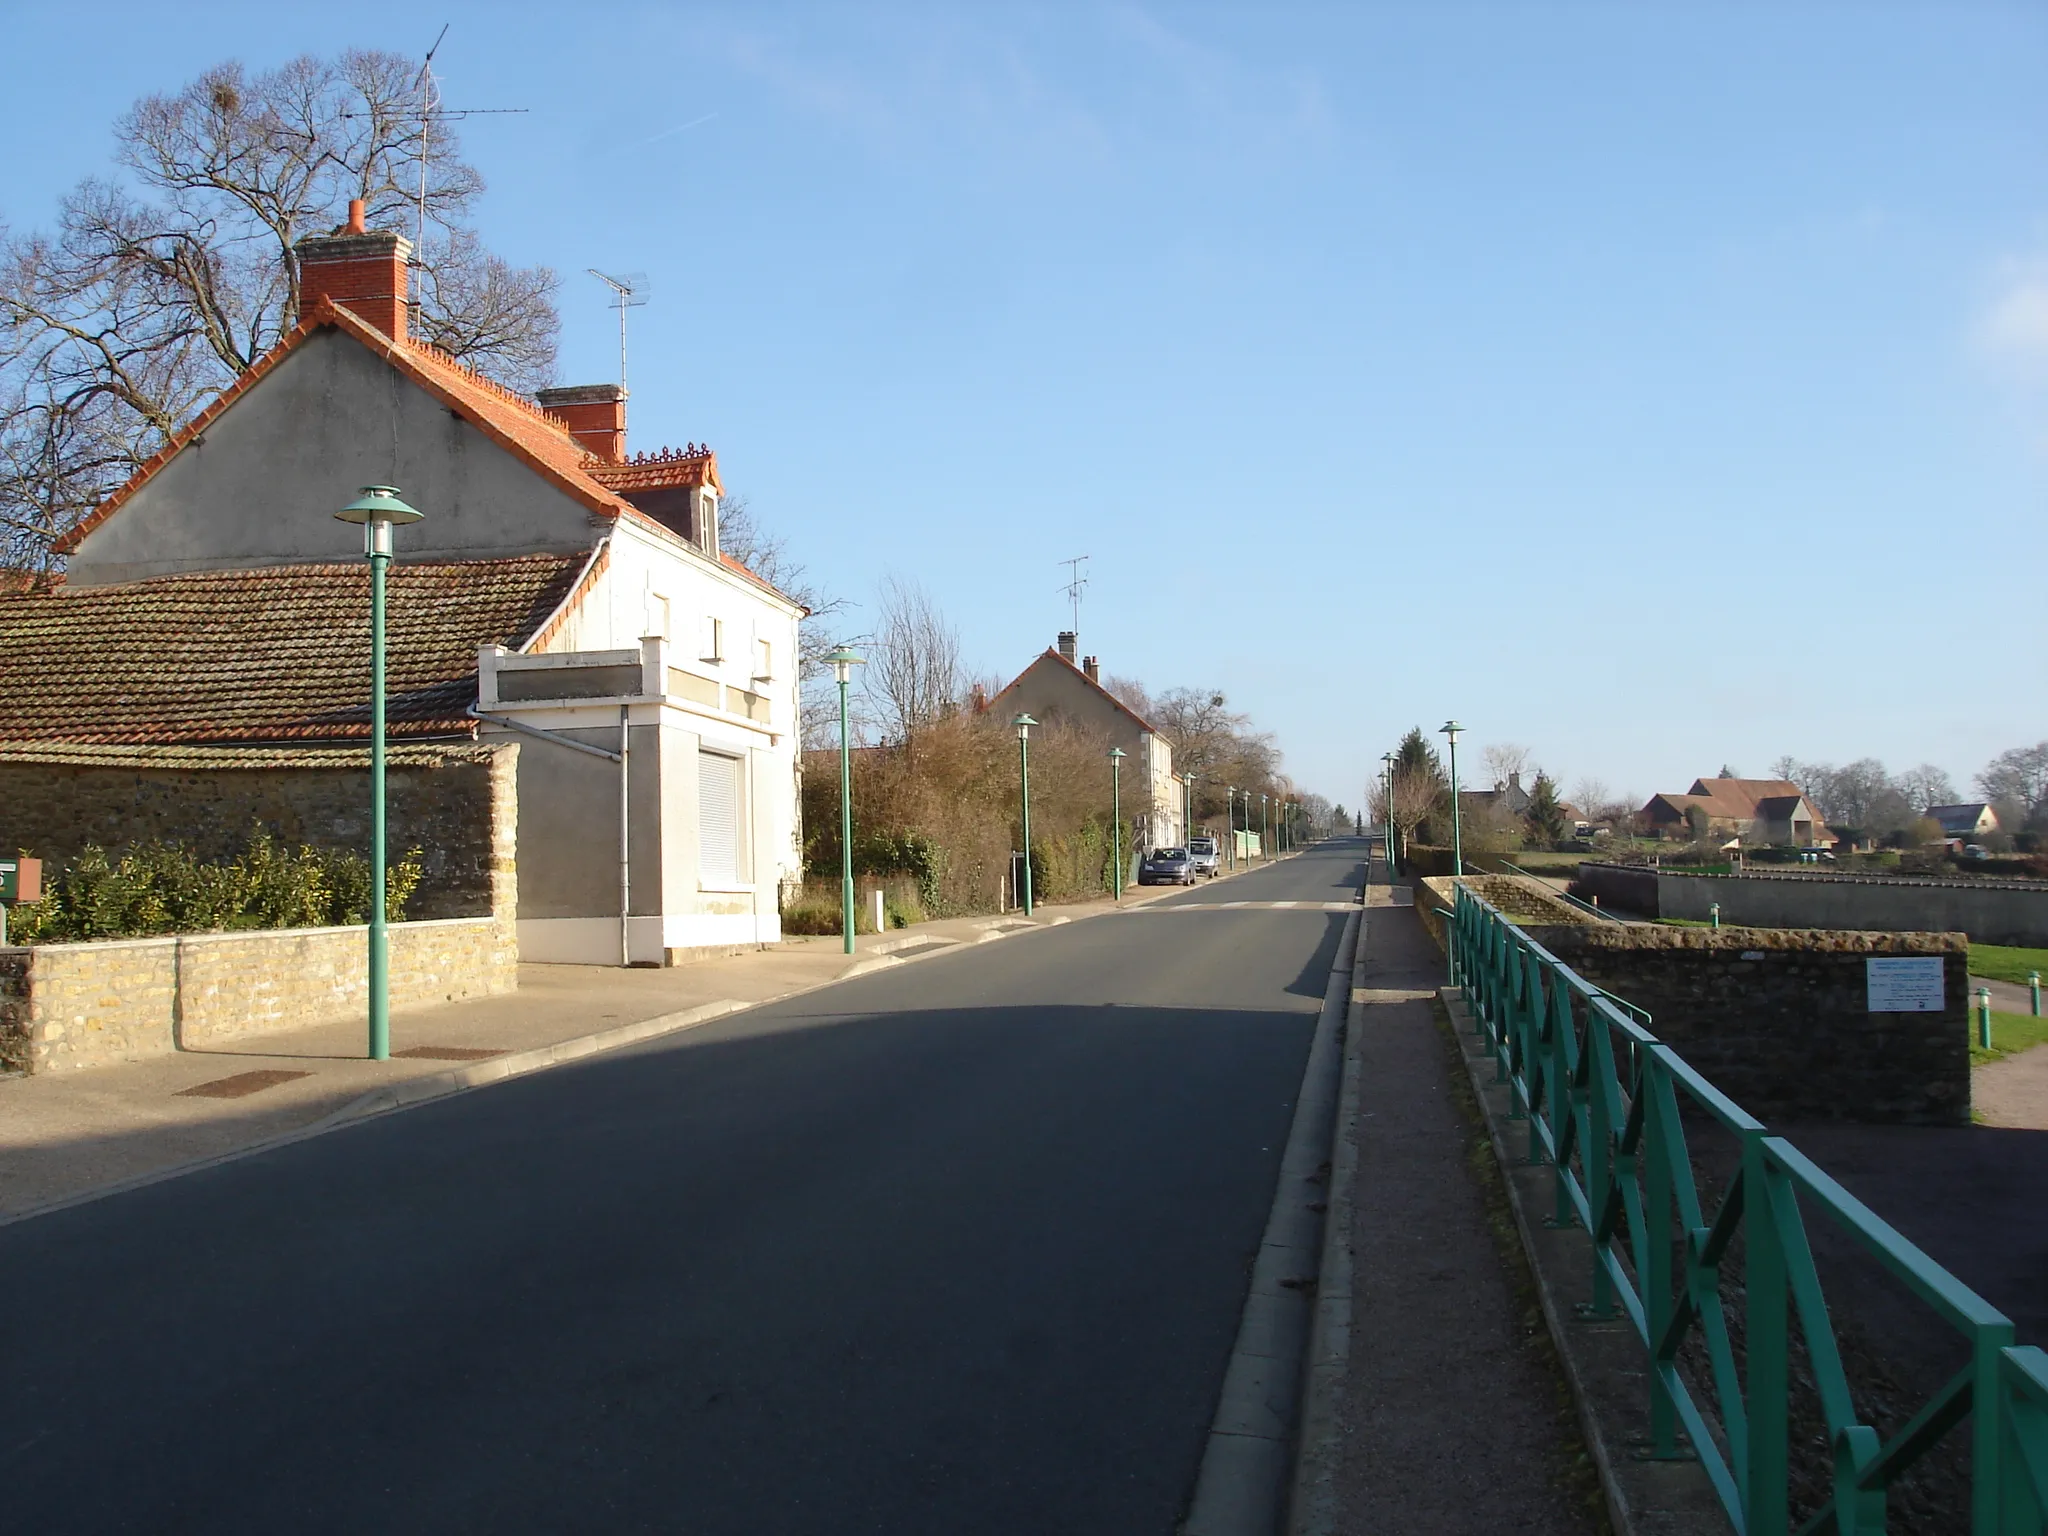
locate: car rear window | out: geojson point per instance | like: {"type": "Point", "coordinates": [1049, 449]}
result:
{"type": "Point", "coordinates": [1202, 845]}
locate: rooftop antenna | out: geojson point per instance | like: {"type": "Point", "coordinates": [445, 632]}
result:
{"type": "Point", "coordinates": [629, 290]}
{"type": "Point", "coordinates": [1077, 583]}
{"type": "Point", "coordinates": [429, 92]}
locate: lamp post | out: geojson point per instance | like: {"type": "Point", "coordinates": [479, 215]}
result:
{"type": "Point", "coordinates": [1188, 779]}
{"type": "Point", "coordinates": [378, 510]}
{"type": "Point", "coordinates": [1024, 724]}
{"type": "Point", "coordinates": [1451, 728]}
{"type": "Point", "coordinates": [1230, 821]}
{"type": "Point", "coordinates": [843, 662]}
{"type": "Point", "coordinates": [1265, 848]}
{"type": "Point", "coordinates": [1387, 804]}
{"type": "Point", "coordinates": [1116, 817]}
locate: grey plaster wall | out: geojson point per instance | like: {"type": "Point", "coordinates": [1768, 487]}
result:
{"type": "Point", "coordinates": [1990, 913]}
{"type": "Point", "coordinates": [261, 484]}
{"type": "Point", "coordinates": [569, 828]}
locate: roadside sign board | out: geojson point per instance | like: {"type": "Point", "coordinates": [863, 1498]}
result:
{"type": "Point", "coordinates": [1901, 984]}
{"type": "Point", "coordinates": [21, 880]}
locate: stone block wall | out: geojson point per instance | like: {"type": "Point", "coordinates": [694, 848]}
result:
{"type": "Point", "coordinates": [1779, 1018]}
{"type": "Point", "coordinates": [457, 803]}
{"type": "Point", "coordinates": [64, 1007]}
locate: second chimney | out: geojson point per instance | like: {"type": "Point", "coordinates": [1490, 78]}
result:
{"type": "Point", "coordinates": [361, 269]}
{"type": "Point", "coordinates": [1088, 665]}
{"type": "Point", "coordinates": [1068, 640]}
{"type": "Point", "coordinates": [595, 415]}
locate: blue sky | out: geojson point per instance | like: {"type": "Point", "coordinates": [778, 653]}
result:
{"type": "Point", "coordinates": [1657, 386]}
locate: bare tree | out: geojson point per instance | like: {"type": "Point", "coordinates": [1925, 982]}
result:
{"type": "Point", "coordinates": [1924, 786]}
{"type": "Point", "coordinates": [1503, 760]}
{"type": "Point", "coordinates": [155, 289]}
{"type": "Point", "coordinates": [2018, 779]}
{"type": "Point", "coordinates": [1131, 693]}
{"type": "Point", "coordinates": [913, 674]}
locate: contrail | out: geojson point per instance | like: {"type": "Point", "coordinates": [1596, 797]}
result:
{"type": "Point", "coordinates": [669, 133]}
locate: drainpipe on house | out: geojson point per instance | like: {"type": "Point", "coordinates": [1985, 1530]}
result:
{"type": "Point", "coordinates": [625, 827]}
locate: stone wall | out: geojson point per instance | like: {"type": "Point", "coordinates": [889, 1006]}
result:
{"type": "Point", "coordinates": [1779, 1018]}
{"type": "Point", "coordinates": [68, 1006]}
{"type": "Point", "coordinates": [1989, 911]}
{"type": "Point", "coordinates": [458, 804]}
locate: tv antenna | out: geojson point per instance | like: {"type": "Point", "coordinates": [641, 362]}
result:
{"type": "Point", "coordinates": [1077, 583]}
{"type": "Point", "coordinates": [429, 91]}
{"type": "Point", "coordinates": [629, 291]}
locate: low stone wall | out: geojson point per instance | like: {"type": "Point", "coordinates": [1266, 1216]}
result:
{"type": "Point", "coordinates": [1989, 911]}
{"type": "Point", "coordinates": [457, 803]}
{"type": "Point", "coordinates": [68, 1006]}
{"type": "Point", "coordinates": [1779, 1019]}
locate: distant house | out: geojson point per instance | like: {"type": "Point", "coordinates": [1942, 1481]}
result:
{"type": "Point", "coordinates": [1973, 819]}
{"type": "Point", "coordinates": [558, 594]}
{"type": "Point", "coordinates": [1773, 811]}
{"type": "Point", "coordinates": [1509, 799]}
{"type": "Point", "coordinates": [1055, 687]}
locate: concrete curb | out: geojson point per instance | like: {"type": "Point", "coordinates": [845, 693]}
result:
{"type": "Point", "coordinates": [1242, 1486]}
{"type": "Point", "coordinates": [1312, 1501]}
{"type": "Point", "coordinates": [1603, 1361]}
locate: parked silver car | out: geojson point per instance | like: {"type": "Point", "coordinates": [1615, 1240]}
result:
{"type": "Point", "coordinates": [1202, 853]}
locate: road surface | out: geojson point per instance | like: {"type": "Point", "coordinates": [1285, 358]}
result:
{"type": "Point", "coordinates": [958, 1246]}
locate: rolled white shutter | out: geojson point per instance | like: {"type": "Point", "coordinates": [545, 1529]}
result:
{"type": "Point", "coordinates": [718, 819]}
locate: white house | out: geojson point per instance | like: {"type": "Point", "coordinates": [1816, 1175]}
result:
{"type": "Point", "coordinates": [558, 592]}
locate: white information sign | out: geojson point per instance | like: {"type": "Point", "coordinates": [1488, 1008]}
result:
{"type": "Point", "coordinates": [1899, 984]}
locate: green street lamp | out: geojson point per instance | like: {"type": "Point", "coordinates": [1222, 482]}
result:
{"type": "Point", "coordinates": [843, 661]}
{"type": "Point", "coordinates": [1116, 817]}
{"type": "Point", "coordinates": [1024, 724]}
{"type": "Point", "coordinates": [1451, 728]}
{"type": "Point", "coordinates": [1265, 847]}
{"type": "Point", "coordinates": [1387, 761]}
{"type": "Point", "coordinates": [378, 510]}
{"type": "Point", "coordinates": [1230, 820]}
{"type": "Point", "coordinates": [1188, 779]}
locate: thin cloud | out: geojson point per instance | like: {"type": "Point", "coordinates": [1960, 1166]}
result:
{"type": "Point", "coordinates": [2017, 323]}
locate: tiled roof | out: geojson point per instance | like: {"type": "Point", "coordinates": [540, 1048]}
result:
{"type": "Point", "coordinates": [100, 755]}
{"type": "Point", "coordinates": [271, 655]}
{"type": "Point", "coordinates": [1738, 797]}
{"type": "Point", "coordinates": [687, 467]}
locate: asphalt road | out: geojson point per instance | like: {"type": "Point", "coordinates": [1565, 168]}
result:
{"type": "Point", "coordinates": [956, 1247]}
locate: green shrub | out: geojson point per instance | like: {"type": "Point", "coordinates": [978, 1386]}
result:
{"type": "Point", "coordinates": [163, 888]}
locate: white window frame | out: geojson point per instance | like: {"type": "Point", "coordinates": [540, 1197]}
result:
{"type": "Point", "coordinates": [736, 879]}
{"type": "Point", "coordinates": [711, 641]}
{"type": "Point", "coordinates": [764, 659]}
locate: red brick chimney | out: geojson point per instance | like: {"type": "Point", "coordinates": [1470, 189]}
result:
{"type": "Point", "coordinates": [595, 415]}
{"type": "Point", "coordinates": [1092, 668]}
{"type": "Point", "coordinates": [363, 270]}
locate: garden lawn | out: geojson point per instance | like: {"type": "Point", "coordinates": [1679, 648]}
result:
{"type": "Point", "coordinates": [2006, 962]}
{"type": "Point", "coordinates": [2011, 1033]}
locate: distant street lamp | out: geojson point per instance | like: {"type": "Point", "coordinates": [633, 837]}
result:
{"type": "Point", "coordinates": [843, 661]}
{"type": "Point", "coordinates": [1116, 817]}
{"type": "Point", "coordinates": [378, 510]}
{"type": "Point", "coordinates": [1387, 805]}
{"type": "Point", "coordinates": [1451, 728]}
{"type": "Point", "coordinates": [1188, 779]}
{"type": "Point", "coordinates": [1024, 724]}
{"type": "Point", "coordinates": [1230, 820]}
{"type": "Point", "coordinates": [1265, 846]}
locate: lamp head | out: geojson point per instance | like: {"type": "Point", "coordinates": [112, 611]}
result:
{"type": "Point", "coordinates": [1023, 724]}
{"type": "Point", "coordinates": [1451, 728]}
{"type": "Point", "coordinates": [842, 662]}
{"type": "Point", "coordinates": [1118, 754]}
{"type": "Point", "coordinates": [379, 510]}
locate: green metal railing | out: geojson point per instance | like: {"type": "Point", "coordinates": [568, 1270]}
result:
{"type": "Point", "coordinates": [1607, 1107]}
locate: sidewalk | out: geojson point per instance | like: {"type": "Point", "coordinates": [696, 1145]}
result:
{"type": "Point", "coordinates": [66, 1135]}
{"type": "Point", "coordinates": [1452, 1411]}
